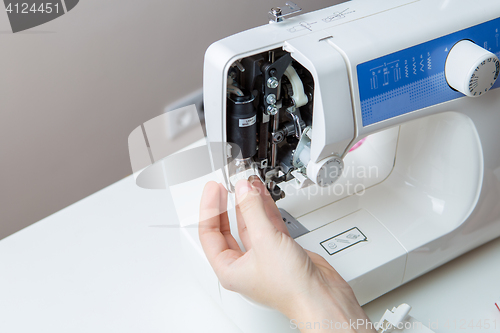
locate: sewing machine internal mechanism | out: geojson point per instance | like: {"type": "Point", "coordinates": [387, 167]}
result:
{"type": "Point", "coordinates": [270, 101]}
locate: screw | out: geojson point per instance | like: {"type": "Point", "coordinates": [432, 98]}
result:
{"type": "Point", "coordinates": [272, 110]}
{"type": "Point", "coordinates": [271, 99]}
{"type": "Point", "coordinates": [276, 11]}
{"type": "Point", "coordinates": [277, 137]}
{"type": "Point", "coordinates": [272, 82]}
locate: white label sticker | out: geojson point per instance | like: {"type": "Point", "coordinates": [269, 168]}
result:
{"type": "Point", "coordinates": [343, 240]}
{"type": "Point", "coordinates": [248, 122]}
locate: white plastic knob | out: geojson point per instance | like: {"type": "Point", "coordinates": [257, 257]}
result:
{"type": "Point", "coordinates": [471, 69]}
{"type": "Point", "coordinates": [325, 172]}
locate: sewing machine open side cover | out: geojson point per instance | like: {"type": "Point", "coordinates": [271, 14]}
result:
{"type": "Point", "coordinates": [375, 127]}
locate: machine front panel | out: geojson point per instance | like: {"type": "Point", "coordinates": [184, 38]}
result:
{"type": "Point", "coordinates": [414, 78]}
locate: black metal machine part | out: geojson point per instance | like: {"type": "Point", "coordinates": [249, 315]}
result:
{"type": "Point", "coordinates": [255, 77]}
{"type": "Point", "coordinates": [242, 125]}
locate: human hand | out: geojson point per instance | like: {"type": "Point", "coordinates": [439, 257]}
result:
{"type": "Point", "coordinates": [274, 270]}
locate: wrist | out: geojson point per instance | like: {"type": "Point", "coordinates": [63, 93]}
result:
{"type": "Point", "coordinates": [327, 309]}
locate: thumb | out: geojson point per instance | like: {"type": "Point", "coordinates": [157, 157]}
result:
{"type": "Point", "coordinates": [249, 203]}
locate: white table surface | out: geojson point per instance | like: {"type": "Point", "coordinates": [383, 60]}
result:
{"type": "Point", "coordinates": [111, 263]}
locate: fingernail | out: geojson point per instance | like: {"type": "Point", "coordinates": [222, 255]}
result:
{"type": "Point", "coordinates": [242, 188]}
{"type": "Point", "coordinates": [253, 179]}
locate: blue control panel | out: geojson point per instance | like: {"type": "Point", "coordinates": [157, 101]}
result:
{"type": "Point", "coordinates": [413, 78]}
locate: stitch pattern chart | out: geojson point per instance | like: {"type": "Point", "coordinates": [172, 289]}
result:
{"type": "Point", "coordinates": [413, 78]}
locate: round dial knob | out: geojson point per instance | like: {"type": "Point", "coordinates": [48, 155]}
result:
{"type": "Point", "coordinates": [326, 171]}
{"type": "Point", "coordinates": [471, 69]}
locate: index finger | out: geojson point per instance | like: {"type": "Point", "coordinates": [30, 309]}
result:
{"type": "Point", "coordinates": [270, 206]}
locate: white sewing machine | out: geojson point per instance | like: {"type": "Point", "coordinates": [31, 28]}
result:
{"type": "Point", "coordinates": [356, 118]}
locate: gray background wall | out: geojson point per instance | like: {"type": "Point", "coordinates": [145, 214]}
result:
{"type": "Point", "coordinates": [73, 89]}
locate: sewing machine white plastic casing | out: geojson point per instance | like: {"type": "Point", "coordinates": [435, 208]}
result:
{"type": "Point", "coordinates": [433, 191]}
